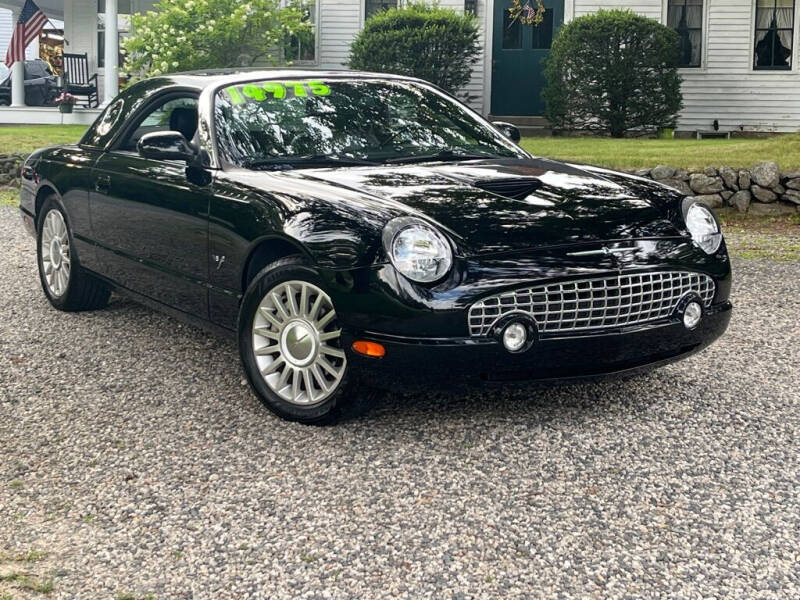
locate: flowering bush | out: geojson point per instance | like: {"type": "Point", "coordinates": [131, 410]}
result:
{"type": "Point", "coordinates": [181, 35]}
{"type": "Point", "coordinates": [65, 98]}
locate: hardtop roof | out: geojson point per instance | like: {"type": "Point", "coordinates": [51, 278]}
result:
{"type": "Point", "coordinates": [204, 78]}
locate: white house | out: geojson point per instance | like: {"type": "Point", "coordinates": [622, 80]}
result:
{"type": "Point", "coordinates": [86, 29]}
{"type": "Point", "coordinates": [7, 21]}
{"type": "Point", "coordinates": [740, 56]}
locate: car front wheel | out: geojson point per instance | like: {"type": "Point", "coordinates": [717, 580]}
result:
{"type": "Point", "coordinates": [291, 348]}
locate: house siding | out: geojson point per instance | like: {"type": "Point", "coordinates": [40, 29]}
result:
{"type": "Point", "coordinates": [7, 22]}
{"type": "Point", "coordinates": [727, 88]}
{"type": "Point", "coordinates": [340, 21]}
{"type": "Point", "coordinates": [6, 30]}
{"type": "Point", "coordinates": [651, 9]}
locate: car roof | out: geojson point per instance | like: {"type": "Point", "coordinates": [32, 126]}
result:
{"type": "Point", "coordinates": [211, 78]}
{"type": "Point", "coordinates": [204, 78]}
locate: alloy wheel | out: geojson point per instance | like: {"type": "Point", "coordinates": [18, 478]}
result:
{"type": "Point", "coordinates": [55, 253]}
{"type": "Point", "coordinates": [297, 343]}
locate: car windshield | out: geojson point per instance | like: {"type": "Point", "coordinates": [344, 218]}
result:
{"type": "Point", "coordinates": [285, 124]}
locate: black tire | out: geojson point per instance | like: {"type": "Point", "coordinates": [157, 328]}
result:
{"type": "Point", "coordinates": [345, 402]}
{"type": "Point", "coordinates": [83, 291]}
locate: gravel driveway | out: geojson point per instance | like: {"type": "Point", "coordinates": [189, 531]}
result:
{"type": "Point", "coordinates": [135, 463]}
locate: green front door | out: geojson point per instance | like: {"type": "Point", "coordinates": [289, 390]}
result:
{"type": "Point", "coordinates": [517, 54]}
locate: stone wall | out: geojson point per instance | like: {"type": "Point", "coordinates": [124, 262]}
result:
{"type": "Point", "coordinates": [761, 190]}
{"type": "Point", "coordinates": [10, 165]}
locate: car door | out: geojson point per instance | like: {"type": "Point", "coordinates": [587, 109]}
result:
{"type": "Point", "coordinates": [150, 222]}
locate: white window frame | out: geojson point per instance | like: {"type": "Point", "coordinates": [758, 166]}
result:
{"type": "Point", "coordinates": [795, 39]}
{"type": "Point", "coordinates": [317, 15]}
{"type": "Point", "coordinates": [704, 37]}
{"type": "Point", "coordinates": [363, 7]}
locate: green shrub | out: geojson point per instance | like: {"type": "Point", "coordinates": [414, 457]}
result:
{"type": "Point", "coordinates": [435, 44]}
{"type": "Point", "coordinates": [612, 72]}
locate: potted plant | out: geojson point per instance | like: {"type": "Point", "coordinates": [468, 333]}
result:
{"type": "Point", "coordinates": [65, 102]}
{"type": "Point", "coordinates": [666, 133]}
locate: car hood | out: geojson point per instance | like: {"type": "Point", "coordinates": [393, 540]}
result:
{"type": "Point", "coordinates": [567, 204]}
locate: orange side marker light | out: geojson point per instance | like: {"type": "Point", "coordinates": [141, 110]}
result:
{"type": "Point", "coordinates": [373, 349]}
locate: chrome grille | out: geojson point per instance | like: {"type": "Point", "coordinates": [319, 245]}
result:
{"type": "Point", "coordinates": [593, 303]}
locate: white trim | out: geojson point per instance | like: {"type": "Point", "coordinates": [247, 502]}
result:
{"type": "Point", "coordinates": [317, 29]}
{"type": "Point", "coordinates": [43, 115]}
{"type": "Point", "coordinates": [111, 51]}
{"type": "Point", "coordinates": [569, 11]}
{"type": "Point", "coordinates": [488, 36]}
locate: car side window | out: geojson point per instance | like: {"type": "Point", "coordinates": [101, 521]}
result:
{"type": "Point", "coordinates": [175, 114]}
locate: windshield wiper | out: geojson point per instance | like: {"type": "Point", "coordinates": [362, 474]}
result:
{"type": "Point", "coordinates": [448, 154]}
{"type": "Point", "coordinates": [279, 163]}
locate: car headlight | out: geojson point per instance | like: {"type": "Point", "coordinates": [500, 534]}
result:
{"type": "Point", "coordinates": [417, 250]}
{"type": "Point", "coordinates": [703, 226]}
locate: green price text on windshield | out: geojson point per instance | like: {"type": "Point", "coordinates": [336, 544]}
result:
{"type": "Point", "coordinates": [277, 90]}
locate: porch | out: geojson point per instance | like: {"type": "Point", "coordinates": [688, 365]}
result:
{"type": "Point", "coordinates": [93, 27]}
{"type": "Point", "coordinates": [46, 115]}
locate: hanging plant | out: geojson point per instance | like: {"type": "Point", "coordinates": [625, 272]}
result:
{"type": "Point", "coordinates": [526, 14]}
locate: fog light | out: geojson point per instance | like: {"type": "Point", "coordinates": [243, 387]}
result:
{"type": "Point", "coordinates": [515, 336]}
{"type": "Point", "coordinates": [692, 314]}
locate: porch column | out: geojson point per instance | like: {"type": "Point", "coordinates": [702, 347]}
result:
{"type": "Point", "coordinates": [18, 84]}
{"type": "Point", "coordinates": [111, 86]}
{"type": "Point", "coordinates": [17, 72]}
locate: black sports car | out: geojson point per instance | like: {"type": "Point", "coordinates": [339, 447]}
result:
{"type": "Point", "coordinates": [354, 228]}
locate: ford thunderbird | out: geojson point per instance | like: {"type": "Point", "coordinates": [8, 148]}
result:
{"type": "Point", "coordinates": [357, 231]}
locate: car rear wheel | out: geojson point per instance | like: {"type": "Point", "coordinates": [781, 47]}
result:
{"type": "Point", "coordinates": [66, 285]}
{"type": "Point", "coordinates": [291, 348]}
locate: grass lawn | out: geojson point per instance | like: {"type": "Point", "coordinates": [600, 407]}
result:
{"type": "Point", "coordinates": [23, 139]}
{"type": "Point", "coordinates": [606, 152]}
{"type": "Point", "coordinates": [750, 237]}
{"type": "Point", "coordinates": [9, 197]}
{"type": "Point", "coordinates": [639, 153]}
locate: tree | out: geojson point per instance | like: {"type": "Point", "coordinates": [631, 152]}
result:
{"type": "Point", "coordinates": [181, 35]}
{"type": "Point", "coordinates": [435, 44]}
{"type": "Point", "coordinates": [613, 71]}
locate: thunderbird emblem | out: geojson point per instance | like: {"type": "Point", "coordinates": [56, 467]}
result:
{"type": "Point", "coordinates": [613, 253]}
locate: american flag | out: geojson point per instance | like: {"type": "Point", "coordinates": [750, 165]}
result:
{"type": "Point", "coordinates": [30, 23]}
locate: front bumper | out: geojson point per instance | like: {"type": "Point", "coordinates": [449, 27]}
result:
{"type": "Point", "coordinates": [427, 338]}
{"type": "Point", "coordinates": [423, 362]}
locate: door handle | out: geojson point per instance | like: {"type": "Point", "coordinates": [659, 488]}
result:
{"type": "Point", "coordinates": [102, 184]}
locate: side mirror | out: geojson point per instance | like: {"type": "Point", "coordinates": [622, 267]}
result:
{"type": "Point", "coordinates": [166, 145]}
{"type": "Point", "coordinates": [509, 130]}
